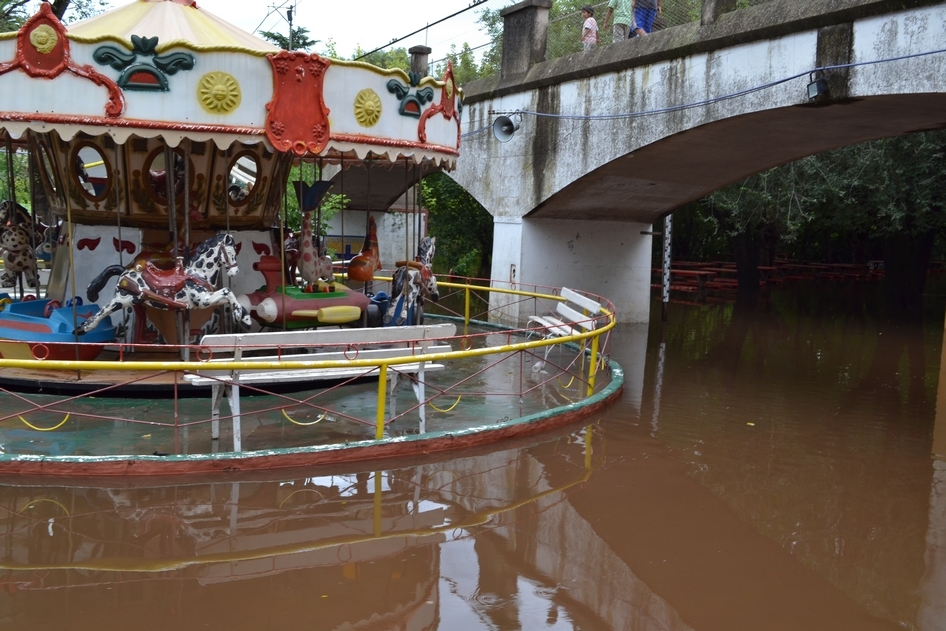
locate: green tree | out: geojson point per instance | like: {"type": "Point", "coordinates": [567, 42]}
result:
{"type": "Point", "coordinates": [332, 203]}
{"type": "Point", "coordinates": [882, 199]}
{"type": "Point", "coordinates": [465, 68]}
{"type": "Point", "coordinates": [392, 58]}
{"type": "Point", "coordinates": [300, 39]}
{"type": "Point", "coordinates": [12, 14]}
{"type": "Point", "coordinates": [464, 229]}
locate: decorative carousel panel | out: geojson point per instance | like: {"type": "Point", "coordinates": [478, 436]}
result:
{"type": "Point", "coordinates": [240, 185]}
{"type": "Point", "coordinates": [43, 147]}
{"type": "Point", "coordinates": [392, 113]}
{"type": "Point", "coordinates": [149, 184]}
{"type": "Point", "coordinates": [90, 177]}
{"type": "Point", "coordinates": [184, 87]}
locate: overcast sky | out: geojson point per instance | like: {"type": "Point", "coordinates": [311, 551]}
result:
{"type": "Point", "coordinates": [369, 23]}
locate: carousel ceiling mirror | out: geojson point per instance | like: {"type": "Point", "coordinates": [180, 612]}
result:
{"type": "Point", "coordinates": [241, 179]}
{"type": "Point", "coordinates": [92, 171]}
{"type": "Point", "coordinates": [155, 174]}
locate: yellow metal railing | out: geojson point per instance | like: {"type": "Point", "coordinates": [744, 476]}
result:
{"type": "Point", "coordinates": [604, 323]}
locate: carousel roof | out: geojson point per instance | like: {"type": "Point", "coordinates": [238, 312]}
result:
{"type": "Point", "coordinates": [166, 68]}
{"type": "Point", "coordinates": [176, 23]}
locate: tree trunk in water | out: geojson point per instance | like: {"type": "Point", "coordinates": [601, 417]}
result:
{"type": "Point", "coordinates": [746, 252]}
{"type": "Point", "coordinates": [906, 258]}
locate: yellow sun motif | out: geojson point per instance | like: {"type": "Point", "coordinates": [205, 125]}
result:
{"type": "Point", "coordinates": [449, 86]}
{"type": "Point", "coordinates": [44, 38]}
{"type": "Point", "coordinates": [218, 93]}
{"type": "Point", "coordinates": [367, 107]}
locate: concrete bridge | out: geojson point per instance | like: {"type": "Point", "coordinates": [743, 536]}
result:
{"type": "Point", "coordinates": [614, 139]}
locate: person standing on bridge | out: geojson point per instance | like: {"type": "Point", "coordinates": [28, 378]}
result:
{"type": "Point", "coordinates": [589, 30]}
{"type": "Point", "coordinates": [623, 18]}
{"type": "Point", "coordinates": [645, 11]}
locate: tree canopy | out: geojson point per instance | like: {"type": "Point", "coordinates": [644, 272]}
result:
{"type": "Point", "coordinates": [880, 200]}
{"type": "Point", "coordinates": [464, 229]}
{"type": "Point", "coordinates": [300, 39]}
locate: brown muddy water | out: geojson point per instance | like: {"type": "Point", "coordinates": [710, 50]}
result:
{"type": "Point", "coordinates": [768, 468]}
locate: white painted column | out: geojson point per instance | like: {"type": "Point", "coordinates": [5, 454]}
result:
{"type": "Point", "coordinates": [611, 259]}
{"type": "Point", "coordinates": [507, 263]}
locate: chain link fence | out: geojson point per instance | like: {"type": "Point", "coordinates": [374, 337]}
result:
{"type": "Point", "coordinates": [473, 37]}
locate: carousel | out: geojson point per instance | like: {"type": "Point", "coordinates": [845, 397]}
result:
{"type": "Point", "coordinates": [161, 142]}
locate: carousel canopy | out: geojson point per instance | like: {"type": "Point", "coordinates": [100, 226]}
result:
{"type": "Point", "coordinates": [164, 68]}
{"type": "Point", "coordinates": [176, 23]}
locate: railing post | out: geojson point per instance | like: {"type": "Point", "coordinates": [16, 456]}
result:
{"type": "Point", "coordinates": [594, 364]}
{"type": "Point", "coordinates": [525, 35]}
{"type": "Point", "coordinates": [466, 305]}
{"type": "Point", "coordinates": [382, 396]}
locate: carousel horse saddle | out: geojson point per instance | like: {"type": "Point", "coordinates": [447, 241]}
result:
{"type": "Point", "coordinates": [168, 281]}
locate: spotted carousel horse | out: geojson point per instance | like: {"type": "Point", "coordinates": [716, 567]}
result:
{"type": "Point", "coordinates": [19, 257]}
{"type": "Point", "coordinates": [413, 283]}
{"type": "Point", "coordinates": [16, 243]}
{"type": "Point", "coordinates": [177, 288]}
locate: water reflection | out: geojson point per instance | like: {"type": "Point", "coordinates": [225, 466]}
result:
{"type": "Point", "coordinates": [349, 548]}
{"type": "Point", "coordinates": [768, 468]}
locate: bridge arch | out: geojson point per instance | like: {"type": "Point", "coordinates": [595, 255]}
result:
{"type": "Point", "coordinates": [612, 140]}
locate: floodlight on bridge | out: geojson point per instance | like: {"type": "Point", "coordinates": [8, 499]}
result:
{"type": "Point", "coordinates": [504, 128]}
{"type": "Point", "coordinates": [818, 86]}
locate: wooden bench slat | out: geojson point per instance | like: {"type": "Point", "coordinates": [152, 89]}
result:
{"type": "Point", "coordinates": [584, 302]}
{"type": "Point", "coordinates": [367, 353]}
{"type": "Point", "coordinates": [313, 374]}
{"type": "Point", "coordinates": [328, 337]}
{"type": "Point", "coordinates": [580, 319]}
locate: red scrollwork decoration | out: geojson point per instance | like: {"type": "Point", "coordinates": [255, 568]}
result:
{"type": "Point", "coordinates": [297, 118]}
{"type": "Point", "coordinates": [447, 106]}
{"type": "Point", "coordinates": [88, 244]}
{"type": "Point", "coordinates": [42, 52]}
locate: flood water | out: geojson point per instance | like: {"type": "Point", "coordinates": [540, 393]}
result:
{"type": "Point", "coordinates": [768, 467]}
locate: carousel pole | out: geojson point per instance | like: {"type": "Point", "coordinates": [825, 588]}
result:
{"type": "Point", "coordinates": [120, 151]}
{"type": "Point", "coordinates": [169, 185]}
{"type": "Point", "coordinates": [11, 196]}
{"type": "Point", "coordinates": [407, 211]}
{"type": "Point", "coordinates": [418, 200]}
{"type": "Point", "coordinates": [185, 350]}
{"type": "Point", "coordinates": [224, 277]}
{"type": "Point", "coordinates": [31, 173]}
{"type": "Point", "coordinates": [72, 273]}
{"type": "Point", "coordinates": [341, 173]}
{"type": "Point", "coordinates": [368, 285]}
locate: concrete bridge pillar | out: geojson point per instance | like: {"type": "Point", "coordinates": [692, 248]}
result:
{"type": "Point", "coordinates": [419, 60]}
{"type": "Point", "coordinates": [609, 258]}
{"type": "Point", "coordinates": [525, 33]}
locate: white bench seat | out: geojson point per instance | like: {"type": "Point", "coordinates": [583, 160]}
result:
{"type": "Point", "coordinates": [567, 319]}
{"type": "Point", "coordinates": [319, 345]}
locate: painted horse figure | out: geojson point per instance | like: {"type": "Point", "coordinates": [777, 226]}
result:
{"type": "Point", "coordinates": [192, 287]}
{"type": "Point", "coordinates": [314, 264]}
{"type": "Point", "coordinates": [18, 237]}
{"type": "Point", "coordinates": [362, 266]}
{"type": "Point", "coordinates": [413, 282]}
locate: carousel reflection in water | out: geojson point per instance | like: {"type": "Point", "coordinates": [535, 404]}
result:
{"type": "Point", "coordinates": [347, 549]}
